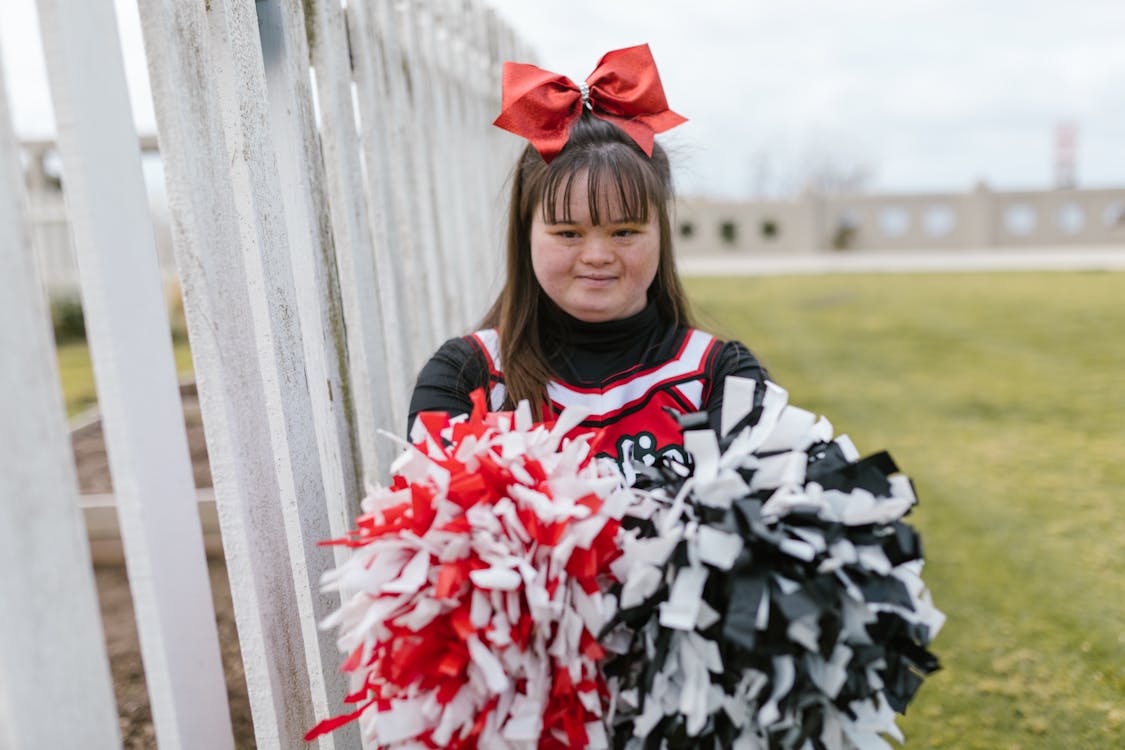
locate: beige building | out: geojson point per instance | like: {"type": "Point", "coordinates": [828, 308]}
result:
{"type": "Point", "coordinates": [977, 219]}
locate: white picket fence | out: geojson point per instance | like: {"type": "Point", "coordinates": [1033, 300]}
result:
{"type": "Point", "coordinates": [329, 230]}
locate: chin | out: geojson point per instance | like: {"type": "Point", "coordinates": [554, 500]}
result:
{"type": "Point", "coordinates": [599, 316]}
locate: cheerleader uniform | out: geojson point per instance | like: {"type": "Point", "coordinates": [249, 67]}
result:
{"type": "Point", "coordinates": [632, 375]}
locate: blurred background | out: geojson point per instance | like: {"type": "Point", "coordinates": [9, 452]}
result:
{"type": "Point", "coordinates": [914, 213]}
{"type": "Point", "coordinates": [928, 95]}
{"type": "Point", "coordinates": [940, 125]}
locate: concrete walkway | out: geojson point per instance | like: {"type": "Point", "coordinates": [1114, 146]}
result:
{"type": "Point", "coordinates": [1087, 258]}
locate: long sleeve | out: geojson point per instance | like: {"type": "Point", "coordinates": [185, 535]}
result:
{"type": "Point", "coordinates": [445, 382]}
{"type": "Point", "coordinates": [733, 359]}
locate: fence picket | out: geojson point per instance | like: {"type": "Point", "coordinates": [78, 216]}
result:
{"type": "Point", "coordinates": [55, 688]}
{"type": "Point", "coordinates": [433, 163]}
{"type": "Point", "coordinates": [478, 169]}
{"type": "Point", "coordinates": [301, 178]}
{"type": "Point", "coordinates": [130, 343]}
{"type": "Point", "coordinates": [445, 162]}
{"type": "Point", "coordinates": [206, 71]}
{"type": "Point", "coordinates": [375, 345]}
{"type": "Point", "coordinates": [406, 97]}
{"type": "Point", "coordinates": [388, 183]}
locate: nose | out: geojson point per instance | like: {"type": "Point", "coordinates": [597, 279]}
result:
{"type": "Point", "coordinates": [597, 250]}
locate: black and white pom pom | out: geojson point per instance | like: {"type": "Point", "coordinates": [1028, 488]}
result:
{"type": "Point", "coordinates": [772, 597]}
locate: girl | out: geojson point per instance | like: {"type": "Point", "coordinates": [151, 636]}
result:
{"type": "Point", "coordinates": [592, 312]}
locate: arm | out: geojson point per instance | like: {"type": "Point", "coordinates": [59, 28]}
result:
{"type": "Point", "coordinates": [445, 382]}
{"type": "Point", "coordinates": [733, 359]}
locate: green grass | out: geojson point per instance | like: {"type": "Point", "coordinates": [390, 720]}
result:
{"type": "Point", "coordinates": [1002, 396]}
{"type": "Point", "coordinates": [77, 375]}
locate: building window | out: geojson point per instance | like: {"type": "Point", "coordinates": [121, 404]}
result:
{"type": "Point", "coordinates": [939, 220]}
{"type": "Point", "coordinates": [1020, 219]}
{"type": "Point", "coordinates": [687, 230]}
{"type": "Point", "coordinates": [894, 221]}
{"type": "Point", "coordinates": [770, 229]}
{"type": "Point", "coordinates": [1071, 218]}
{"type": "Point", "coordinates": [728, 230]}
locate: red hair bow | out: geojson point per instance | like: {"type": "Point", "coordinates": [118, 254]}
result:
{"type": "Point", "coordinates": [624, 89]}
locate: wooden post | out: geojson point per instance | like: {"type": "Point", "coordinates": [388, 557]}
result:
{"type": "Point", "coordinates": [244, 320]}
{"type": "Point", "coordinates": [437, 166]}
{"type": "Point", "coordinates": [409, 90]}
{"type": "Point", "coordinates": [55, 687]}
{"type": "Point", "coordinates": [492, 53]}
{"type": "Point", "coordinates": [385, 125]}
{"type": "Point", "coordinates": [300, 180]}
{"type": "Point", "coordinates": [131, 347]}
{"type": "Point", "coordinates": [449, 160]}
{"type": "Point", "coordinates": [376, 351]}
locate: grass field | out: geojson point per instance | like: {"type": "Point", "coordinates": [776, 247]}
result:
{"type": "Point", "coordinates": [1001, 395]}
{"type": "Point", "coordinates": [77, 376]}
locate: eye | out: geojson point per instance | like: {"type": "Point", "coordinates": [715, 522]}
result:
{"type": "Point", "coordinates": [566, 234]}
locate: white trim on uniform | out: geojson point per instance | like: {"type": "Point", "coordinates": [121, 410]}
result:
{"type": "Point", "coordinates": [496, 397]}
{"type": "Point", "coordinates": [692, 391]}
{"type": "Point", "coordinates": [490, 338]}
{"type": "Point", "coordinates": [617, 397]}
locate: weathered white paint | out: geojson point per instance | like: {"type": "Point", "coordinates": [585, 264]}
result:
{"type": "Point", "coordinates": [387, 185]}
{"type": "Point", "coordinates": [481, 212]}
{"type": "Point", "coordinates": [374, 333]}
{"type": "Point", "coordinates": [130, 344]}
{"type": "Point", "coordinates": [388, 182]}
{"type": "Point", "coordinates": [199, 60]}
{"type": "Point", "coordinates": [499, 149]}
{"type": "Point", "coordinates": [55, 688]}
{"type": "Point", "coordinates": [448, 161]}
{"type": "Point", "coordinates": [409, 92]}
{"type": "Point", "coordinates": [298, 258]}
{"type": "Point", "coordinates": [432, 135]}
{"type": "Point", "coordinates": [296, 145]}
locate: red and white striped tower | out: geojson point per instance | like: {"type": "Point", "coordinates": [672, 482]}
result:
{"type": "Point", "coordinates": [1066, 135]}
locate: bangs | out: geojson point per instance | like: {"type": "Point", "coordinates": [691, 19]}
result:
{"type": "Point", "coordinates": [620, 187]}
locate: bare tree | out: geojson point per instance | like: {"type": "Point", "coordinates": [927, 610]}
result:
{"type": "Point", "coordinates": [816, 169]}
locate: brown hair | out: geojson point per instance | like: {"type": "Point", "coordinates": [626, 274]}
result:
{"type": "Point", "coordinates": [611, 161]}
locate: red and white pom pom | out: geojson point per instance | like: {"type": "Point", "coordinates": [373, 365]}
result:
{"type": "Point", "coordinates": [471, 600]}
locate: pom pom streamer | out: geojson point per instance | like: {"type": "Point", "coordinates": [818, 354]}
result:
{"type": "Point", "coordinates": [770, 598]}
{"type": "Point", "coordinates": [472, 595]}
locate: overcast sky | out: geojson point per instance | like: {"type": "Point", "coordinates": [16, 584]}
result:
{"type": "Point", "coordinates": [925, 94]}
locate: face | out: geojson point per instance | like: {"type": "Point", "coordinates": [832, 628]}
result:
{"type": "Point", "coordinates": [595, 272]}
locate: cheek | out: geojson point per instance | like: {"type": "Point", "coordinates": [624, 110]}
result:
{"type": "Point", "coordinates": [648, 263]}
{"type": "Point", "coordinates": [546, 265]}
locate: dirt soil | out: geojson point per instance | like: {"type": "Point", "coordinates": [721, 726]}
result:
{"type": "Point", "coordinates": [93, 466]}
{"type": "Point", "coordinates": [116, 602]}
{"type": "Point", "coordinates": [124, 651]}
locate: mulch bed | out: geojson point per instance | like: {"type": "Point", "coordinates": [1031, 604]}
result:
{"type": "Point", "coordinates": [122, 644]}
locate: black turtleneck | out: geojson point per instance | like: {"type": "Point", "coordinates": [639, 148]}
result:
{"type": "Point", "coordinates": [583, 353]}
{"type": "Point", "coordinates": [580, 353]}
